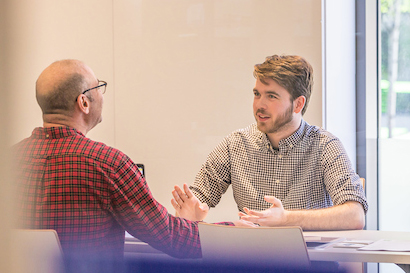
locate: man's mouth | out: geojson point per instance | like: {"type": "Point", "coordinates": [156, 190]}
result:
{"type": "Point", "coordinates": [262, 117]}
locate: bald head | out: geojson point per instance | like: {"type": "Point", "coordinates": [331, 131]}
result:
{"type": "Point", "coordinates": [59, 85]}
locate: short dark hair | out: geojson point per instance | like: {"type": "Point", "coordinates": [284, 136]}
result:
{"type": "Point", "coordinates": [62, 97]}
{"type": "Point", "coordinates": [291, 72]}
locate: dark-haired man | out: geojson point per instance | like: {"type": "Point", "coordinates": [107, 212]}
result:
{"type": "Point", "coordinates": [283, 171]}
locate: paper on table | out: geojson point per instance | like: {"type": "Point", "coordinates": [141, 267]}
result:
{"type": "Point", "coordinates": [319, 242]}
{"type": "Point", "coordinates": [387, 245]}
{"type": "Point", "coordinates": [348, 245]}
{"type": "Point", "coordinates": [320, 239]}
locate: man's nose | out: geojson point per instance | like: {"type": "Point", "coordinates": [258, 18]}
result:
{"type": "Point", "coordinates": [260, 103]}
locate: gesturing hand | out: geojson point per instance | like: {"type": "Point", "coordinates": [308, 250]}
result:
{"type": "Point", "coordinates": [274, 216]}
{"type": "Point", "coordinates": [187, 205]}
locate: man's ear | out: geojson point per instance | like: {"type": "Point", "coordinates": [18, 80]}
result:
{"type": "Point", "coordinates": [83, 103]}
{"type": "Point", "coordinates": [298, 104]}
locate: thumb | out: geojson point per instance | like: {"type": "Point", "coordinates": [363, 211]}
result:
{"type": "Point", "coordinates": [273, 200]}
{"type": "Point", "coordinates": [204, 207]}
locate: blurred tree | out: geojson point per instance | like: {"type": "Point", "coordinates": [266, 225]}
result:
{"type": "Point", "coordinates": [390, 23]}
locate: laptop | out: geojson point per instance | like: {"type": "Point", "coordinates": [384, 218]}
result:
{"type": "Point", "coordinates": [283, 247]}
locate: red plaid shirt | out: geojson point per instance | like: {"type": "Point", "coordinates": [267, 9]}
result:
{"type": "Point", "coordinates": [90, 193]}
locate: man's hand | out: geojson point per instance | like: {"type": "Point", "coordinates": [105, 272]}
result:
{"type": "Point", "coordinates": [243, 223]}
{"type": "Point", "coordinates": [187, 205]}
{"type": "Point", "coordinates": [349, 215]}
{"type": "Point", "coordinates": [274, 216]}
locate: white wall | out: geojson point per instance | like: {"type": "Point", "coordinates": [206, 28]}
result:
{"type": "Point", "coordinates": [44, 31]}
{"type": "Point", "coordinates": [339, 69]}
{"type": "Point", "coordinates": [6, 196]}
{"type": "Point", "coordinates": [179, 72]}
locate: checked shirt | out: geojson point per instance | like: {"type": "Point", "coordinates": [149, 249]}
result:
{"type": "Point", "coordinates": [90, 194]}
{"type": "Point", "coordinates": [310, 170]}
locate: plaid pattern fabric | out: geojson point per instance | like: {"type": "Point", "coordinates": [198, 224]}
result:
{"type": "Point", "coordinates": [310, 170]}
{"type": "Point", "coordinates": [90, 193]}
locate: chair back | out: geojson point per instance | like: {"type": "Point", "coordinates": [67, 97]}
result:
{"type": "Point", "coordinates": [269, 246]}
{"type": "Point", "coordinates": [363, 182]}
{"type": "Point", "coordinates": [37, 250]}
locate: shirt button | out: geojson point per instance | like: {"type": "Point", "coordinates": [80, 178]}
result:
{"type": "Point", "coordinates": [277, 181]}
{"type": "Point", "coordinates": [280, 156]}
{"type": "Point", "coordinates": [290, 145]}
{"type": "Point", "coordinates": [47, 136]}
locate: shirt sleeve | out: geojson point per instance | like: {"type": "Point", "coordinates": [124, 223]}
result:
{"type": "Point", "coordinates": [341, 181]}
{"type": "Point", "coordinates": [214, 178]}
{"type": "Point", "coordinates": [143, 217]}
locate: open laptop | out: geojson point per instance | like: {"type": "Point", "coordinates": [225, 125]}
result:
{"type": "Point", "coordinates": [264, 246]}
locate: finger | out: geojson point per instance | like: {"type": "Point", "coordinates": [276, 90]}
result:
{"type": "Point", "coordinates": [176, 187]}
{"type": "Point", "coordinates": [241, 214]}
{"type": "Point", "coordinates": [175, 205]}
{"type": "Point", "coordinates": [243, 223]}
{"type": "Point", "coordinates": [204, 206]}
{"type": "Point", "coordinates": [253, 219]}
{"type": "Point", "coordinates": [273, 200]}
{"type": "Point", "coordinates": [254, 212]}
{"type": "Point", "coordinates": [247, 212]}
{"type": "Point", "coordinates": [188, 192]}
{"type": "Point", "coordinates": [177, 198]}
{"type": "Point", "coordinates": [248, 224]}
{"type": "Point", "coordinates": [181, 194]}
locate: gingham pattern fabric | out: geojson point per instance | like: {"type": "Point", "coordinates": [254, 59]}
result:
{"type": "Point", "coordinates": [90, 193]}
{"type": "Point", "coordinates": [310, 170]}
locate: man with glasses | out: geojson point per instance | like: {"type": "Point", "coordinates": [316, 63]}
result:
{"type": "Point", "coordinates": [88, 192]}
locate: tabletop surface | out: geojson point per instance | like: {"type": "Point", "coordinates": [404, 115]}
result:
{"type": "Point", "coordinates": [329, 252]}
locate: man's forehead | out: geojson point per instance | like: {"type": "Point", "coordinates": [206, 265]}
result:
{"type": "Point", "coordinates": [270, 86]}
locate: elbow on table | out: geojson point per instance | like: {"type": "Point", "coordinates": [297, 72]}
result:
{"type": "Point", "coordinates": [358, 220]}
{"type": "Point", "coordinates": [359, 223]}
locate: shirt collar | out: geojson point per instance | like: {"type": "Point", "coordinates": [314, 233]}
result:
{"type": "Point", "coordinates": [285, 144]}
{"type": "Point", "coordinates": [55, 132]}
{"type": "Point", "coordinates": [293, 139]}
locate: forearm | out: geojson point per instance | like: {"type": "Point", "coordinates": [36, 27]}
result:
{"type": "Point", "coordinates": [214, 178]}
{"type": "Point", "coordinates": [340, 179]}
{"type": "Point", "coordinates": [349, 215]}
{"type": "Point", "coordinates": [209, 185]}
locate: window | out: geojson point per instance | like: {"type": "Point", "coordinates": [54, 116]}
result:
{"type": "Point", "coordinates": [394, 118]}
{"type": "Point", "coordinates": [394, 127]}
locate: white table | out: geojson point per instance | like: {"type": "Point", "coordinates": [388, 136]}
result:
{"type": "Point", "coordinates": [330, 253]}
{"type": "Point", "coordinates": [353, 255]}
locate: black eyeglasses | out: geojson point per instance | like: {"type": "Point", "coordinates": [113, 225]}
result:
{"type": "Point", "coordinates": [102, 87]}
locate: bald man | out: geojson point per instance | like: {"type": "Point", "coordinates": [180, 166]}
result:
{"type": "Point", "coordinates": [88, 192]}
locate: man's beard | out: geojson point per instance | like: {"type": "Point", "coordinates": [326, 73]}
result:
{"type": "Point", "coordinates": [280, 123]}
